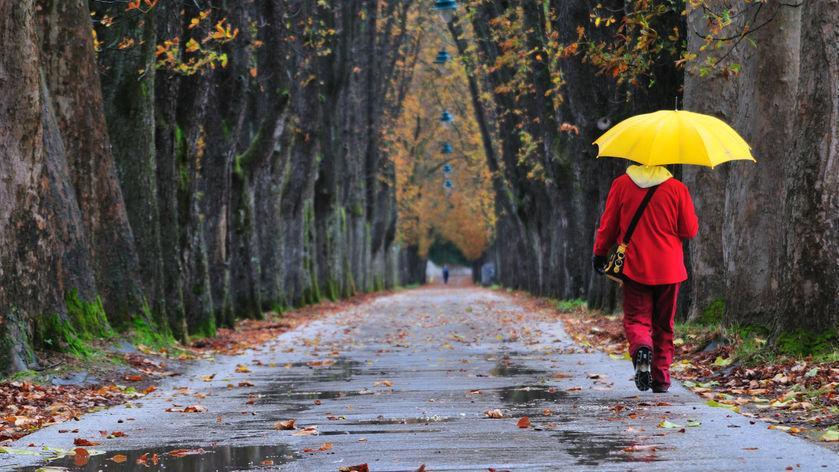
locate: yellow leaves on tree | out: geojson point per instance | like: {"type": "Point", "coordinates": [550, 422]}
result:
{"type": "Point", "coordinates": [197, 56]}
{"type": "Point", "coordinates": [464, 214]}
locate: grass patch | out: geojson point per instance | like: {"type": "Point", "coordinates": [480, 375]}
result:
{"type": "Point", "coordinates": [569, 305]}
{"type": "Point", "coordinates": [752, 345]}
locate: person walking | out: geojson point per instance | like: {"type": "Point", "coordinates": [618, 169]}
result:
{"type": "Point", "coordinates": [446, 274]}
{"type": "Point", "coordinates": [653, 266]}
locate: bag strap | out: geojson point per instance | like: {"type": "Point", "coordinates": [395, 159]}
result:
{"type": "Point", "coordinates": [638, 212]}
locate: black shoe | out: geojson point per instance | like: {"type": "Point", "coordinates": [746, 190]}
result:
{"type": "Point", "coordinates": [642, 361]}
{"type": "Point", "coordinates": [660, 388]}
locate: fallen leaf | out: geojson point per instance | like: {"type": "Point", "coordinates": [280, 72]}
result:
{"type": "Point", "coordinates": [325, 447]}
{"type": "Point", "coordinates": [119, 458]}
{"type": "Point", "coordinates": [208, 378]}
{"type": "Point", "coordinates": [242, 369]}
{"type": "Point", "coordinates": [524, 422]}
{"type": "Point", "coordinates": [81, 457]}
{"type": "Point", "coordinates": [421, 468]}
{"type": "Point", "coordinates": [133, 378]}
{"type": "Point", "coordinates": [246, 384]}
{"type": "Point", "coordinates": [496, 413]}
{"type": "Point", "coordinates": [669, 425]}
{"type": "Point", "coordinates": [186, 452]}
{"type": "Point", "coordinates": [84, 442]}
{"type": "Point", "coordinates": [284, 425]}
{"type": "Point", "coordinates": [830, 435]}
{"type": "Point", "coordinates": [307, 431]}
{"type": "Point", "coordinates": [640, 448]}
{"type": "Point", "coordinates": [383, 383]}
{"type": "Point", "coordinates": [354, 468]}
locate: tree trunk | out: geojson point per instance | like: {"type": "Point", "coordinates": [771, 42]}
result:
{"type": "Point", "coordinates": [68, 58]}
{"type": "Point", "coordinates": [737, 254]}
{"type": "Point", "coordinates": [40, 222]}
{"type": "Point", "coordinates": [810, 276]}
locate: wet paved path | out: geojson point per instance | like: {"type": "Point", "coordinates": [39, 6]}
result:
{"type": "Point", "coordinates": [406, 379]}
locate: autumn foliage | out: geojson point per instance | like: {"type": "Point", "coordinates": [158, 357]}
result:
{"type": "Point", "coordinates": [465, 213]}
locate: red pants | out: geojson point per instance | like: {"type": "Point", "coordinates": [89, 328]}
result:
{"type": "Point", "coordinates": [648, 312]}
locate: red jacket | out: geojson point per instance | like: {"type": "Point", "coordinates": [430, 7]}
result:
{"type": "Point", "coordinates": [654, 255]}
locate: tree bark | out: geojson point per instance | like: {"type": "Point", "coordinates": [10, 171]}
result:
{"type": "Point", "coordinates": [68, 57]}
{"type": "Point", "coordinates": [809, 274]}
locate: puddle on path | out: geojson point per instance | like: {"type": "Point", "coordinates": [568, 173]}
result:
{"type": "Point", "coordinates": [530, 395]}
{"type": "Point", "coordinates": [341, 369]}
{"type": "Point", "coordinates": [363, 432]}
{"type": "Point", "coordinates": [511, 370]}
{"type": "Point", "coordinates": [422, 420]}
{"type": "Point", "coordinates": [594, 449]}
{"type": "Point", "coordinates": [219, 458]}
{"type": "Point", "coordinates": [287, 393]}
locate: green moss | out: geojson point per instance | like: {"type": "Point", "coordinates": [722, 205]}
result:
{"type": "Point", "coordinates": [342, 214]}
{"type": "Point", "coordinates": [806, 343]}
{"type": "Point", "coordinates": [55, 332]}
{"type": "Point", "coordinates": [332, 290]}
{"type": "Point", "coordinates": [24, 375]}
{"type": "Point", "coordinates": [713, 313]}
{"type": "Point", "coordinates": [206, 329]}
{"type": "Point", "coordinates": [88, 318]}
{"type": "Point", "coordinates": [86, 321]}
{"type": "Point", "coordinates": [146, 332]}
{"type": "Point", "coordinates": [225, 129]}
{"type": "Point", "coordinates": [350, 288]}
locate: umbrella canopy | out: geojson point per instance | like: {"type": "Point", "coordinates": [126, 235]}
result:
{"type": "Point", "coordinates": [674, 137]}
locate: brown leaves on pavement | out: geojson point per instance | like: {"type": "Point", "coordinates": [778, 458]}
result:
{"type": "Point", "coordinates": [495, 414]}
{"type": "Point", "coordinates": [188, 409]}
{"type": "Point", "coordinates": [80, 457]}
{"type": "Point", "coordinates": [306, 431]}
{"type": "Point", "coordinates": [354, 468]}
{"type": "Point", "coordinates": [284, 425]}
{"type": "Point", "coordinates": [799, 395]}
{"type": "Point", "coordinates": [524, 422]}
{"type": "Point", "coordinates": [323, 448]}
{"type": "Point", "coordinates": [84, 442]}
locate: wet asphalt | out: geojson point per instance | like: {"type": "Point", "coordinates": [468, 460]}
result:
{"type": "Point", "coordinates": [406, 380]}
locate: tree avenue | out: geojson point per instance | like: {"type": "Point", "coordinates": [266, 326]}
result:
{"type": "Point", "coordinates": [175, 165]}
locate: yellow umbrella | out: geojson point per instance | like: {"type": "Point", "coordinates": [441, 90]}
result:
{"type": "Point", "coordinates": [674, 137]}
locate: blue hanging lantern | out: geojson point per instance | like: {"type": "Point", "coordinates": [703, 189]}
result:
{"type": "Point", "coordinates": [447, 184]}
{"type": "Point", "coordinates": [447, 169]}
{"type": "Point", "coordinates": [445, 8]}
{"type": "Point", "coordinates": [447, 148]}
{"type": "Point", "coordinates": [442, 58]}
{"type": "Point", "coordinates": [446, 118]}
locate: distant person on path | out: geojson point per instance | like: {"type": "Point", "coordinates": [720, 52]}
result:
{"type": "Point", "coordinates": [446, 274]}
{"type": "Point", "coordinates": [654, 264]}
